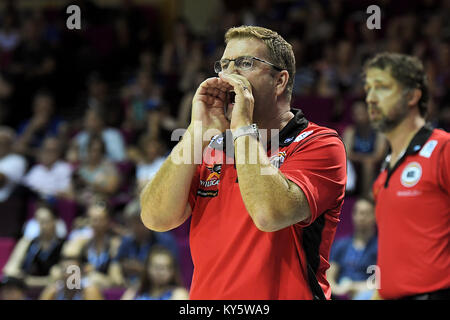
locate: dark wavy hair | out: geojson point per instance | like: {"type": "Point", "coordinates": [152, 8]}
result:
{"type": "Point", "coordinates": [408, 70]}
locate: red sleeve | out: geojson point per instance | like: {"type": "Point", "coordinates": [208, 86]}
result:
{"type": "Point", "coordinates": [444, 166]}
{"type": "Point", "coordinates": [319, 169]}
{"type": "Point", "coordinates": [192, 197]}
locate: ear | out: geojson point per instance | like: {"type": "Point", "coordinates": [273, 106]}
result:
{"type": "Point", "coordinates": [414, 97]}
{"type": "Point", "coordinates": [281, 81]}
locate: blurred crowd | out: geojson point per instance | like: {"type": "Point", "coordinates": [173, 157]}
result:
{"type": "Point", "coordinates": [86, 118]}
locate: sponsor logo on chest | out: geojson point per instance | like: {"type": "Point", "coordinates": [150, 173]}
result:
{"type": "Point", "coordinates": [411, 174]}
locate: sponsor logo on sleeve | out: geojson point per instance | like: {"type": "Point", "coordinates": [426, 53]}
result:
{"type": "Point", "coordinates": [303, 135]}
{"type": "Point", "coordinates": [428, 148]}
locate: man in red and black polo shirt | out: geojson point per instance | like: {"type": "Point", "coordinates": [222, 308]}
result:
{"type": "Point", "coordinates": [412, 193]}
{"type": "Point", "coordinates": [262, 222]}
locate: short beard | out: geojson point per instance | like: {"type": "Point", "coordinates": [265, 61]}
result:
{"type": "Point", "coordinates": [399, 113]}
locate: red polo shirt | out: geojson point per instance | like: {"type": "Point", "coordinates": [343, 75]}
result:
{"type": "Point", "coordinates": [235, 260]}
{"type": "Point", "coordinates": [413, 218]}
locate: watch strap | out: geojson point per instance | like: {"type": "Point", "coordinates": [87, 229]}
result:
{"type": "Point", "coordinates": [251, 130]}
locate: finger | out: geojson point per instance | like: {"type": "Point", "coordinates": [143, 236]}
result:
{"type": "Point", "coordinates": [239, 83]}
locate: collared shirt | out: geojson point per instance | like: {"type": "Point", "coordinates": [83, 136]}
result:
{"type": "Point", "coordinates": [413, 218]}
{"type": "Point", "coordinates": [232, 258]}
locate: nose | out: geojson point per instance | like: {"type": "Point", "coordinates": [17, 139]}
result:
{"type": "Point", "coordinates": [231, 68]}
{"type": "Point", "coordinates": [371, 97]}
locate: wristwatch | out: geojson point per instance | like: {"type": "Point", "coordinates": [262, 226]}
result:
{"type": "Point", "coordinates": [251, 130]}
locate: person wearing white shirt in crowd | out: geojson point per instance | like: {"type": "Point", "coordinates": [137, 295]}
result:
{"type": "Point", "coordinates": [152, 159]}
{"type": "Point", "coordinates": [50, 178]}
{"type": "Point", "coordinates": [12, 166]}
{"type": "Point", "coordinates": [94, 124]}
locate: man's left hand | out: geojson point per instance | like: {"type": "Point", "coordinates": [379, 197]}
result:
{"type": "Point", "coordinates": [242, 114]}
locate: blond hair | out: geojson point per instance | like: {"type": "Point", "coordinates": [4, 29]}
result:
{"type": "Point", "coordinates": [280, 51]}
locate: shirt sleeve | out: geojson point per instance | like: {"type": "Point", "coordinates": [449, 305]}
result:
{"type": "Point", "coordinates": [319, 169]}
{"type": "Point", "coordinates": [444, 166]}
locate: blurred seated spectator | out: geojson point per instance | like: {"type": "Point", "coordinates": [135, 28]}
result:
{"type": "Point", "coordinates": [149, 157]}
{"type": "Point", "coordinates": [135, 246]}
{"type": "Point", "coordinates": [67, 286]}
{"type": "Point", "coordinates": [51, 176]}
{"type": "Point", "coordinates": [142, 100]}
{"type": "Point", "coordinates": [97, 247]}
{"type": "Point", "coordinates": [94, 125]}
{"type": "Point", "coordinates": [351, 256]}
{"type": "Point", "coordinates": [43, 123]}
{"type": "Point", "coordinates": [12, 166]}
{"type": "Point", "coordinates": [12, 289]}
{"type": "Point", "coordinates": [365, 147]}
{"type": "Point", "coordinates": [9, 34]}
{"type": "Point", "coordinates": [32, 260]}
{"type": "Point", "coordinates": [160, 279]}
{"type": "Point", "coordinates": [97, 177]}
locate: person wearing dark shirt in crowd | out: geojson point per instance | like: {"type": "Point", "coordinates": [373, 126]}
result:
{"type": "Point", "coordinates": [42, 124]}
{"type": "Point", "coordinates": [32, 260]}
{"type": "Point", "coordinates": [97, 247]}
{"type": "Point", "coordinates": [365, 147]}
{"type": "Point", "coordinates": [136, 246]}
{"type": "Point", "coordinates": [351, 256]}
{"type": "Point", "coordinates": [160, 279]}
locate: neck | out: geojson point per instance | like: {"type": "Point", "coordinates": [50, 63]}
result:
{"type": "Point", "coordinates": [397, 137]}
{"type": "Point", "coordinates": [363, 235]}
{"type": "Point", "coordinates": [277, 121]}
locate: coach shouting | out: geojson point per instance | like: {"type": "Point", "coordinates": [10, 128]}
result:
{"type": "Point", "coordinates": [260, 229]}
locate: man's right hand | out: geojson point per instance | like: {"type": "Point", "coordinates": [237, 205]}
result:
{"type": "Point", "coordinates": [208, 104]}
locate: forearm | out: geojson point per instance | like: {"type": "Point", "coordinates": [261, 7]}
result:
{"type": "Point", "coordinates": [164, 198]}
{"type": "Point", "coordinates": [272, 201]}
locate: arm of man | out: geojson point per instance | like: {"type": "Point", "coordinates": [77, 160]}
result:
{"type": "Point", "coordinates": [276, 199]}
{"type": "Point", "coordinates": [273, 201]}
{"type": "Point", "coordinates": [164, 200]}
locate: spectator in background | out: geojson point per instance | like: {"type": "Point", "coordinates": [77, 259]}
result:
{"type": "Point", "coordinates": [160, 279]}
{"type": "Point", "coordinates": [94, 125]}
{"type": "Point", "coordinates": [96, 178]}
{"type": "Point", "coordinates": [13, 289]}
{"type": "Point", "coordinates": [32, 260]}
{"type": "Point", "coordinates": [9, 35]}
{"type": "Point", "coordinates": [96, 247]}
{"type": "Point", "coordinates": [136, 246]}
{"type": "Point", "coordinates": [142, 100]}
{"type": "Point", "coordinates": [151, 159]}
{"type": "Point", "coordinates": [365, 147]}
{"type": "Point", "coordinates": [12, 169]}
{"type": "Point", "coordinates": [42, 124]}
{"type": "Point", "coordinates": [51, 177]}
{"type": "Point", "coordinates": [350, 256]}
{"type": "Point", "coordinates": [12, 166]}
{"type": "Point", "coordinates": [67, 288]}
